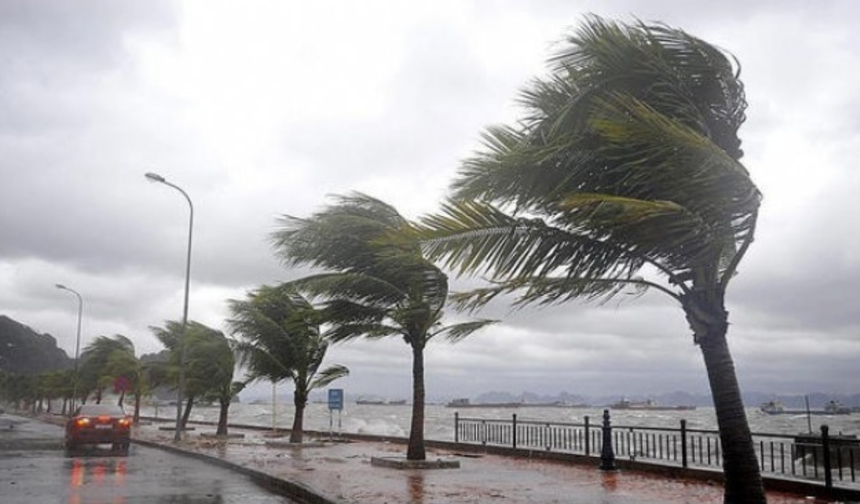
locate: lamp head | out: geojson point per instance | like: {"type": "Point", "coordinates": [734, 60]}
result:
{"type": "Point", "coordinates": [154, 177]}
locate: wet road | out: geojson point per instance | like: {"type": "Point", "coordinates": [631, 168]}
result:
{"type": "Point", "coordinates": [35, 469]}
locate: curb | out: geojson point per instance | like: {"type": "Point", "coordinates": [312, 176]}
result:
{"type": "Point", "coordinates": [280, 486]}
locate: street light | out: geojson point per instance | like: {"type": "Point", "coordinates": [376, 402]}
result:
{"type": "Point", "coordinates": [77, 341]}
{"type": "Point", "coordinates": [154, 177]}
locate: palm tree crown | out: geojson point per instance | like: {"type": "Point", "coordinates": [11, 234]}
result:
{"type": "Point", "coordinates": [628, 155]}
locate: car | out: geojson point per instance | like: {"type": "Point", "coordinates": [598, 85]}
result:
{"type": "Point", "coordinates": [93, 424]}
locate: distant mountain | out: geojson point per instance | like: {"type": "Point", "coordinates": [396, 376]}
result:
{"type": "Point", "coordinates": [24, 351]}
{"type": "Point", "coordinates": [528, 398]}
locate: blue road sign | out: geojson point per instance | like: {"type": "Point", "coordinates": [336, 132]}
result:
{"type": "Point", "coordinates": [335, 399]}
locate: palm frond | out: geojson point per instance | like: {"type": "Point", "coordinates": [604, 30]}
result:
{"type": "Point", "coordinates": [458, 332]}
{"type": "Point", "coordinates": [328, 375]}
{"type": "Point", "coordinates": [370, 330]}
{"type": "Point", "coordinates": [545, 291]}
{"type": "Point", "coordinates": [474, 237]}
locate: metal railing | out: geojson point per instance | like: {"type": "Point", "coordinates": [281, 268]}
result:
{"type": "Point", "coordinates": [813, 456]}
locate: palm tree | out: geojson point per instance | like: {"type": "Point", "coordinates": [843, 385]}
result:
{"type": "Point", "coordinates": [281, 340]}
{"type": "Point", "coordinates": [136, 375]}
{"type": "Point", "coordinates": [56, 385]}
{"type": "Point", "coordinates": [623, 174]}
{"type": "Point", "coordinates": [377, 283]}
{"type": "Point", "coordinates": [98, 371]}
{"type": "Point", "coordinates": [209, 363]}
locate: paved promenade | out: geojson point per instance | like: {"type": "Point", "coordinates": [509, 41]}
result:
{"type": "Point", "coordinates": [341, 472]}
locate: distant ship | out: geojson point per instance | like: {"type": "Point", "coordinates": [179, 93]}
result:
{"type": "Point", "coordinates": [831, 408]}
{"type": "Point", "coordinates": [380, 402]}
{"type": "Point", "coordinates": [648, 405]}
{"type": "Point", "coordinates": [465, 403]}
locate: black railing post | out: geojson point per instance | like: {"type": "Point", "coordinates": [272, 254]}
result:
{"type": "Point", "coordinates": [514, 434]}
{"type": "Point", "coordinates": [825, 452]}
{"type": "Point", "coordinates": [587, 437]}
{"type": "Point", "coordinates": [607, 455]}
{"type": "Point", "coordinates": [684, 444]}
{"type": "Point", "coordinates": [456, 426]}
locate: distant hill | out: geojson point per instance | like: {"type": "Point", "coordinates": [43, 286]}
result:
{"type": "Point", "coordinates": [24, 351]}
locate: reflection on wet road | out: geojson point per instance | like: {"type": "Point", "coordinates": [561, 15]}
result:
{"type": "Point", "coordinates": [35, 469]}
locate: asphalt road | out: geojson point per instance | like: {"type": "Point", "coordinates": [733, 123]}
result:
{"type": "Point", "coordinates": [35, 469]}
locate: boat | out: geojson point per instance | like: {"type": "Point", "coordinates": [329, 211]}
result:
{"type": "Point", "coordinates": [772, 408]}
{"type": "Point", "coordinates": [835, 408]}
{"type": "Point", "coordinates": [777, 408]}
{"type": "Point", "coordinates": [380, 402]}
{"type": "Point", "coordinates": [648, 405]}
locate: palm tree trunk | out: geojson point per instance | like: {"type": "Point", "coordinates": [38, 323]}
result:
{"type": "Point", "coordinates": [136, 418]}
{"type": "Point", "coordinates": [743, 482]}
{"type": "Point", "coordinates": [300, 400]}
{"type": "Point", "coordinates": [222, 417]}
{"type": "Point", "coordinates": [187, 413]}
{"type": "Point", "coordinates": [415, 451]}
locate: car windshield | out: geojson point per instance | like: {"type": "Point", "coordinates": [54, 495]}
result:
{"type": "Point", "coordinates": [100, 409]}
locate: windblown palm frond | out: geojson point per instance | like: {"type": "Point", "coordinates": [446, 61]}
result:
{"type": "Point", "coordinates": [471, 236]}
{"type": "Point", "coordinates": [458, 332]}
{"type": "Point", "coordinates": [260, 363]}
{"type": "Point", "coordinates": [328, 375]}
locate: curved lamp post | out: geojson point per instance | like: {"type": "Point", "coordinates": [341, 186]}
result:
{"type": "Point", "coordinates": [153, 177]}
{"type": "Point", "coordinates": [77, 341]}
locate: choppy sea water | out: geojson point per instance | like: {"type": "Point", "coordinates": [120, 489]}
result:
{"type": "Point", "coordinates": [394, 420]}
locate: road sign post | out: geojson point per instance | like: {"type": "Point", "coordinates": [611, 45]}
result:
{"type": "Point", "coordinates": [335, 403]}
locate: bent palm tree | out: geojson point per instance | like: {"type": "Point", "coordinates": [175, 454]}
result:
{"type": "Point", "coordinates": [624, 174]}
{"type": "Point", "coordinates": [99, 370]}
{"type": "Point", "coordinates": [377, 283]}
{"type": "Point", "coordinates": [209, 361]}
{"type": "Point", "coordinates": [281, 340]}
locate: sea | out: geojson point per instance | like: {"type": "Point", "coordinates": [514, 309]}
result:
{"type": "Point", "coordinates": [394, 420]}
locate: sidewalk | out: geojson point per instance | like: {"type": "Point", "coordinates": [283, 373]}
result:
{"type": "Point", "coordinates": [341, 472]}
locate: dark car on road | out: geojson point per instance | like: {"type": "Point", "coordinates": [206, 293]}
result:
{"type": "Point", "coordinates": [94, 424]}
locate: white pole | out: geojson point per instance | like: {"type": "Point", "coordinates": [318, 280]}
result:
{"type": "Point", "coordinates": [274, 407]}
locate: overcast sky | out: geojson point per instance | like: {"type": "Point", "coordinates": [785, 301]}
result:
{"type": "Point", "coordinates": [262, 108]}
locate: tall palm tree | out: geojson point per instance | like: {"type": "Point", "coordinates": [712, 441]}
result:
{"type": "Point", "coordinates": [376, 283]}
{"type": "Point", "coordinates": [280, 339]}
{"type": "Point", "coordinates": [624, 174]}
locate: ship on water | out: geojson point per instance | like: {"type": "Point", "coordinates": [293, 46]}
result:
{"type": "Point", "coordinates": [648, 405]}
{"type": "Point", "coordinates": [379, 402]}
{"type": "Point", "coordinates": [831, 408]}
